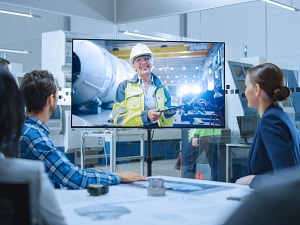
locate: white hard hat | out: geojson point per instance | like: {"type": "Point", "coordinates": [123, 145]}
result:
{"type": "Point", "coordinates": [138, 50]}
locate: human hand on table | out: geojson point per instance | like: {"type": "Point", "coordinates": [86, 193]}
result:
{"type": "Point", "coordinates": [128, 177]}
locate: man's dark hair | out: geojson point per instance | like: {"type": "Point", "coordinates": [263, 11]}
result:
{"type": "Point", "coordinates": [4, 62]}
{"type": "Point", "coordinates": [12, 113]}
{"type": "Point", "coordinates": [36, 87]}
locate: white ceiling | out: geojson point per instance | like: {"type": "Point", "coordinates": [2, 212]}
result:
{"type": "Point", "coordinates": [119, 11]}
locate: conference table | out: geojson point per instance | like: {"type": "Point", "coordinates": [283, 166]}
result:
{"type": "Point", "coordinates": [186, 201]}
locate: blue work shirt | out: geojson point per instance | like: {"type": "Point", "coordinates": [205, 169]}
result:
{"type": "Point", "coordinates": [36, 145]}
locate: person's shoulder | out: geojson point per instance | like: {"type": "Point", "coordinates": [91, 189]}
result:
{"type": "Point", "coordinates": [26, 165]}
{"type": "Point", "coordinates": [275, 119]}
{"type": "Point", "coordinates": [34, 127]}
{"type": "Point", "coordinates": [273, 109]}
{"type": "Point", "coordinates": [271, 112]}
{"type": "Point", "coordinates": [274, 113]}
{"type": "Point", "coordinates": [124, 83]}
{"type": "Point", "coordinates": [28, 162]}
{"type": "Point", "coordinates": [30, 122]}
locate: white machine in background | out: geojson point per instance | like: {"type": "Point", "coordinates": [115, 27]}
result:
{"type": "Point", "coordinates": [57, 55]}
{"type": "Point", "coordinates": [57, 58]}
{"type": "Point", "coordinates": [236, 102]}
{"type": "Point", "coordinates": [101, 73]}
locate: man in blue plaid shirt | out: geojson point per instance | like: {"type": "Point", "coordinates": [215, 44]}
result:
{"type": "Point", "coordinates": [40, 96]}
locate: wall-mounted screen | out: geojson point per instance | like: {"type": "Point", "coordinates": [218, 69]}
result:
{"type": "Point", "coordinates": [139, 83]}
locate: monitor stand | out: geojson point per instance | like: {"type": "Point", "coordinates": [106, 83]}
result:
{"type": "Point", "coordinates": [149, 158]}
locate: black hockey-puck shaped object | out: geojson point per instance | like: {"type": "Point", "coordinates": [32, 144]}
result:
{"type": "Point", "coordinates": [97, 189]}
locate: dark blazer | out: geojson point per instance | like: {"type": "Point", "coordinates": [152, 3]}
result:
{"type": "Point", "coordinates": [275, 146]}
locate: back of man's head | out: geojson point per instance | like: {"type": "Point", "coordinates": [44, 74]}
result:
{"type": "Point", "coordinates": [4, 62]}
{"type": "Point", "coordinates": [36, 87]}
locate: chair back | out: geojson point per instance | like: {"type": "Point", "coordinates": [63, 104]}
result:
{"type": "Point", "coordinates": [14, 202]}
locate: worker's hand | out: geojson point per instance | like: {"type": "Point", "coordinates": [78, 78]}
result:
{"type": "Point", "coordinates": [154, 114]}
{"type": "Point", "coordinates": [195, 142]}
{"type": "Point", "coordinates": [245, 180]}
{"type": "Point", "coordinates": [128, 177]}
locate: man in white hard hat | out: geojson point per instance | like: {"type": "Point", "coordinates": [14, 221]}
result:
{"type": "Point", "coordinates": [142, 100]}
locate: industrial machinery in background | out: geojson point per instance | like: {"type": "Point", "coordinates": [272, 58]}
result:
{"type": "Point", "coordinates": [235, 99]}
{"type": "Point", "coordinates": [101, 74]}
{"type": "Point", "coordinates": [57, 58]}
{"type": "Point", "coordinates": [236, 102]}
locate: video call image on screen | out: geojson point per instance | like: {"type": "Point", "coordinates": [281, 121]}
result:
{"type": "Point", "coordinates": [191, 77]}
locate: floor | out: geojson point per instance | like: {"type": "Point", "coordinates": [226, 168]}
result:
{"type": "Point", "coordinates": [159, 167]}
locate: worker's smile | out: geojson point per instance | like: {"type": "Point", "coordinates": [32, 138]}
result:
{"type": "Point", "coordinates": [145, 67]}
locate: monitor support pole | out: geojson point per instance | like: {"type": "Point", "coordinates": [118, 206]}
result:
{"type": "Point", "coordinates": [149, 159]}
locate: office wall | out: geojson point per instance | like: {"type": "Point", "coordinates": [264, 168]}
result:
{"type": "Point", "coordinates": [168, 25]}
{"type": "Point", "coordinates": [267, 30]}
{"type": "Point", "coordinates": [86, 26]}
{"type": "Point", "coordinates": [23, 33]}
{"type": "Point", "coordinates": [236, 25]}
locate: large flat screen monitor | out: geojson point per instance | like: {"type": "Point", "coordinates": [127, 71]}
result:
{"type": "Point", "coordinates": [184, 88]}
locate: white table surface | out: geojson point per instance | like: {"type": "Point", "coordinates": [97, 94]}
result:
{"type": "Point", "coordinates": [190, 202]}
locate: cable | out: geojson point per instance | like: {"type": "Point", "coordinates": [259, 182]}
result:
{"type": "Point", "coordinates": [179, 150]}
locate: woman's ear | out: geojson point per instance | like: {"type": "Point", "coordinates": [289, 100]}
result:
{"type": "Point", "coordinates": [257, 90]}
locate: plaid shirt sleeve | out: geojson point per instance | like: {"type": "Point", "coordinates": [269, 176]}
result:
{"type": "Point", "coordinates": [35, 144]}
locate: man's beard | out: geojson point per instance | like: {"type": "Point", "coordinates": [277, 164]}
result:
{"type": "Point", "coordinates": [53, 110]}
